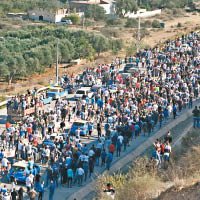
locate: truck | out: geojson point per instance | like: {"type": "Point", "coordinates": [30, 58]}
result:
{"type": "Point", "coordinates": [17, 115]}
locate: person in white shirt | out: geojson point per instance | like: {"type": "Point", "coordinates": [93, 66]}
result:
{"type": "Point", "coordinates": [167, 152]}
{"type": "Point", "coordinates": [120, 138]}
{"type": "Point", "coordinates": [31, 177]}
{"type": "Point", "coordinates": [20, 146]}
{"type": "Point", "coordinates": [80, 172]}
{"type": "Point", "coordinates": [29, 149]}
{"type": "Point", "coordinates": [91, 153]}
{"type": "Point", "coordinates": [47, 154]}
{"type": "Point", "coordinates": [29, 182]}
{"type": "Point", "coordinates": [4, 163]}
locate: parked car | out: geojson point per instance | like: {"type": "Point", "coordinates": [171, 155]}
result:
{"type": "Point", "coordinates": [67, 22]}
{"type": "Point", "coordinates": [83, 125]}
{"type": "Point", "coordinates": [129, 66]}
{"type": "Point", "coordinates": [47, 100]}
{"type": "Point", "coordinates": [71, 89]}
{"type": "Point", "coordinates": [57, 92]}
{"type": "Point", "coordinates": [84, 91]}
{"type": "Point", "coordinates": [21, 169]}
{"type": "Point", "coordinates": [49, 143]}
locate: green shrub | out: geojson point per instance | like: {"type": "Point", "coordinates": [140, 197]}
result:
{"type": "Point", "coordinates": [156, 24]}
{"type": "Point", "coordinates": [74, 18]}
{"type": "Point", "coordinates": [147, 24]}
{"type": "Point", "coordinates": [95, 12]}
{"type": "Point", "coordinates": [113, 22]}
{"type": "Point", "coordinates": [131, 50]}
{"type": "Point", "coordinates": [111, 32]}
{"type": "Point", "coordinates": [131, 23]}
{"type": "Point", "coordinates": [179, 25]}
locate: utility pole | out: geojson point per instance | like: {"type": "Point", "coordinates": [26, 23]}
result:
{"type": "Point", "coordinates": [57, 63]}
{"type": "Point", "coordinates": [83, 18]}
{"type": "Point", "coordinates": [138, 36]}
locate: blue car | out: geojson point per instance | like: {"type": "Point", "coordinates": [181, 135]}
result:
{"type": "Point", "coordinates": [83, 125]}
{"type": "Point", "coordinates": [57, 92]}
{"type": "Point", "coordinates": [20, 170]}
{"type": "Point", "coordinates": [47, 100]}
{"type": "Point", "coordinates": [49, 143]}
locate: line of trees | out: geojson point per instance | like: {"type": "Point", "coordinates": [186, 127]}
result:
{"type": "Point", "coordinates": [32, 48]}
{"type": "Point", "coordinates": [93, 11]}
{"type": "Point", "coordinates": [125, 6]}
{"type": "Point", "coordinates": [25, 5]}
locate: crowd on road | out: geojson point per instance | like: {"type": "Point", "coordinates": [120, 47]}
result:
{"type": "Point", "coordinates": [121, 109]}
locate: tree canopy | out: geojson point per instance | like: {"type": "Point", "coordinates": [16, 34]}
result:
{"type": "Point", "coordinates": [95, 12]}
{"type": "Point", "coordinates": [32, 48]}
{"type": "Point", "coordinates": [125, 6]}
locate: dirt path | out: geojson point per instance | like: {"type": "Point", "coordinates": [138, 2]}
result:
{"type": "Point", "coordinates": [189, 22]}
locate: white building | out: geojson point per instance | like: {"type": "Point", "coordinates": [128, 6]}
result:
{"type": "Point", "coordinates": [44, 15]}
{"type": "Point", "coordinates": [143, 13]}
{"type": "Point", "coordinates": [81, 6]}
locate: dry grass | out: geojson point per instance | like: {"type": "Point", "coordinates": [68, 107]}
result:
{"type": "Point", "coordinates": [144, 181]}
{"type": "Point", "coordinates": [139, 183]}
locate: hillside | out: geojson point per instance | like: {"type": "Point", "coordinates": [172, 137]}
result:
{"type": "Point", "coordinates": [143, 181]}
{"type": "Point", "coordinates": [178, 193]}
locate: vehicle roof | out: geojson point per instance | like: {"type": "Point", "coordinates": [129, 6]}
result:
{"type": "Point", "coordinates": [84, 88]}
{"type": "Point", "coordinates": [55, 88]}
{"type": "Point", "coordinates": [55, 134]}
{"type": "Point", "coordinates": [20, 164]}
{"type": "Point", "coordinates": [80, 121]}
{"type": "Point", "coordinates": [96, 86]}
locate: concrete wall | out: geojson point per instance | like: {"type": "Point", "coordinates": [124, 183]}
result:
{"type": "Point", "coordinates": [47, 16]}
{"type": "Point", "coordinates": [144, 14]}
{"type": "Point", "coordinates": [59, 17]}
{"type": "Point", "coordinates": [108, 8]}
{"type": "Point", "coordinates": [35, 14]}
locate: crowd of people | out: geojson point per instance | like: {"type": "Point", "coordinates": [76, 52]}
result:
{"type": "Point", "coordinates": [136, 106]}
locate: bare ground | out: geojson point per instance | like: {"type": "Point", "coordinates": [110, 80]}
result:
{"type": "Point", "coordinates": [178, 193]}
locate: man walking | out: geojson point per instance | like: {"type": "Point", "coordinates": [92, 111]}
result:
{"type": "Point", "coordinates": [51, 190]}
{"type": "Point", "coordinates": [195, 116]}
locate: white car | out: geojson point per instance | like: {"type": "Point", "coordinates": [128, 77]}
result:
{"type": "Point", "coordinates": [84, 91]}
{"type": "Point", "coordinates": [185, 47]}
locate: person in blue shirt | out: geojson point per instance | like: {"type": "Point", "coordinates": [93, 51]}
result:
{"type": "Point", "coordinates": [86, 169]}
{"type": "Point", "coordinates": [90, 129]}
{"type": "Point", "coordinates": [1, 154]}
{"type": "Point", "coordinates": [137, 130]}
{"type": "Point", "coordinates": [118, 145]}
{"type": "Point", "coordinates": [87, 100]}
{"type": "Point", "coordinates": [70, 176]}
{"type": "Point", "coordinates": [4, 189]}
{"type": "Point", "coordinates": [101, 104]}
{"type": "Point", "coordinates": [174, 111]}
{"type": "Point", "coordinates": [156, 157]}
{"type": "Point", "coordinates": [40, 190]}
{"type": "Point", "coordinates": [109, 160]}
{"type": "Point", "coordinates": [107, 126]}
{"type": "Point", "coordinates": [103, 158]}
{"type": "Point", "coordinates": [51, 190]}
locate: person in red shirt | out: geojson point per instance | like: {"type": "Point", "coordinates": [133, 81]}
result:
{"type": "Point", "coordinates": [7, 126]}
{"type": "Point", "coordinates": [29, 130]}
{"type": "Point", "coordinates": [112, 148]}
